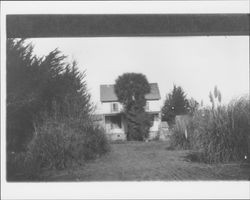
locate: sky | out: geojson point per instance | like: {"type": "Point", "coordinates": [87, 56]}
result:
{"type": "Point", "coordinates": [196, 64]}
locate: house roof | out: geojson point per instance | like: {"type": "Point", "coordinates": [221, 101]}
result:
{"type": "Point", "coordinates": [107, 93]}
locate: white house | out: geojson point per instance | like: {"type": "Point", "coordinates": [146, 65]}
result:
{"type": "Point", "coordinates": [112, 119]}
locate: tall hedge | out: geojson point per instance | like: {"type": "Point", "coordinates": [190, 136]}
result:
{"type": "Point", "coordinates": [33, 85]}
{"type": "Point", "coordinates": [49, 114]}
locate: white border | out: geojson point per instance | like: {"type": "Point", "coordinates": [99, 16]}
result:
{"type": "Point", "coordinates": [113, 190]}
{"type": "Point", "coordinates": [123, 7]}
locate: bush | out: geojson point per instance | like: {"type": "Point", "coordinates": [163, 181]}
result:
{"type": "Point", "coordinates": [56, 145]}
{"type": "Point", "coordinates": [222, 134]}
{"type": "Point", "coordinates": [21, 166]}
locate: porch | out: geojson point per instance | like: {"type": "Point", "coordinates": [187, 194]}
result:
{"type": "Point", "coordinates": [115, 126]}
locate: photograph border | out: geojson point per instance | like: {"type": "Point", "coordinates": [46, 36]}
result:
{"type": "Point", "coordinates": [73, 190]}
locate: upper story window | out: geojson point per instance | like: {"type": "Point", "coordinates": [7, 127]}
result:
{"type": "Point", "coordinates": [147, 106]}
{"type": "Point", "coordinates": [114, 107]}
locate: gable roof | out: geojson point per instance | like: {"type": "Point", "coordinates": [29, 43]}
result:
{"type": "Point", "coordinates": [107, 93]}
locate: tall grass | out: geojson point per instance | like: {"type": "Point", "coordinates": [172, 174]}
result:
{"type": "Point", "coordinates": [178, 138]}
{"type": "Point", "coordinates": [222, 134]}
{"type": "Point", "coordinates": [57, 145]}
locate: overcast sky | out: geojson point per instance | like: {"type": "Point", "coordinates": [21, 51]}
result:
{"type": "Point", "coordinates": [195, 63]}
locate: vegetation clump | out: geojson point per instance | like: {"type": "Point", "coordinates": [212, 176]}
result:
{"type": "Point", "coordinates": [131, 89]}
{"type": "Point", "coordinates": [220, 133]}
{"type": "Point", "coordinates": [176, 103]}
{"type": "Point", "coordinates": [49, 113]}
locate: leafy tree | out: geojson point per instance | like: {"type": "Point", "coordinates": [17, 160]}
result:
{"type": "Point", "coordinates": [35, 85]}
{"type": "Point", "coordinates": [176, 103]}
{"type": "Point", "coordinates": [131, 89]}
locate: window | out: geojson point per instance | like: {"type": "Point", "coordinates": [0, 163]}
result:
{"type": "Point", "coordinates": [114, 107]}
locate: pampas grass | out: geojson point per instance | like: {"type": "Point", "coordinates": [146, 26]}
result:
{"type": "Point", "coordinates": [222, 133]}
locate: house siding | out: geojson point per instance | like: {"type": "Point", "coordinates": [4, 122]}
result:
{"type": "Point", "coordinates": [106, 108]}
{"type": "Point", "coordinates": [154, 106]}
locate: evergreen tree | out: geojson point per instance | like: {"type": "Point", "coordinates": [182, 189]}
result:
{"type": "Point", "coordinates": [35, 85]}
{"type": "Point", "coordinates": [176, 103]}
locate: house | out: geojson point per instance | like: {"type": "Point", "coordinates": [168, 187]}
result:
{"type": "Point", "coordinates": [112, 118]}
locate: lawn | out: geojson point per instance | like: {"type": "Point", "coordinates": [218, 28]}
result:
{"type": "Point", "coordinates": [141, 161]}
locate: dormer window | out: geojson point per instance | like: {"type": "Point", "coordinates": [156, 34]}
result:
{"type": "Point", "coordinates": [114, 107]}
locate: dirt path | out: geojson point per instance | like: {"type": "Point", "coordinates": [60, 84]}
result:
{"type": "Point", "coordinates": [137, 161]}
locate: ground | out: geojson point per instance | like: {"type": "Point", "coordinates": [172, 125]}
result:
{"type": "Point", "coordinates": [141, 161]}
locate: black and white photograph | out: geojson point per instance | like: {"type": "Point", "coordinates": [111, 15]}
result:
{"type": "Point", "coordinates": [125, 92]}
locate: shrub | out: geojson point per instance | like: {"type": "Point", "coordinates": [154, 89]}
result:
{"type": "Point", "coordinates": [52, 143]}
{"type": "Point", "coordinates": [21, 166]}
{"type": "Point", "coordinates": [222, 134]}
{"type": "Point", "coordinates": [56, 145]}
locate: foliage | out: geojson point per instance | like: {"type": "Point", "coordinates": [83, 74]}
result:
{"type": "Point", "coordinates": [21, 166]}
{"type": "Point", "coordinates": [193, 106]}
{"type": "Point", "coordinates": [33, 84]}
{"type": "Point", "coordinates": [49, 113]}
{"type": "Point", "coordinates": [57, 145]}
{"type": "Point", "coordinates": [131, 89]}
{"type": "Point", "coordinates": [138, 125]}
{"type": "Point", "coordinates": [178, 140]}
{"type": "Point", "coordinates": [222, 134]}
{"type": "Point", "coordinates": [176, 103]}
